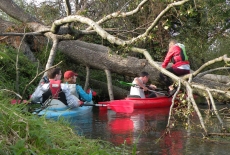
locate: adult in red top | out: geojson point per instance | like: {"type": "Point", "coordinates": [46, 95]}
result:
{"type": "Point", "coordinates": [179, 58]}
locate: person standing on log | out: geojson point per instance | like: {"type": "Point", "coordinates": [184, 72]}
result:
{"type": "Point", "coordinates": [181, 66]}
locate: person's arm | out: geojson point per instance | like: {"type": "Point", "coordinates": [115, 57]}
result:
{"type": "Point", "coordinates": [140, 84]}
{"type": "Point", "coordinates": [36, 97]}
{"type": "Point", "coordinates": [168, 57]}
{"type": "Point", "coordinates": [152, 86]}
{"type": "Point", "coordinates": [82, 94]}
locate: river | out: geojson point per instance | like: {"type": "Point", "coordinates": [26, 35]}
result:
{"type": "Point", "coordinates": [146, 128]}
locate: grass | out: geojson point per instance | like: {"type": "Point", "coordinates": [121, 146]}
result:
{"type": "Point", "coordinates": [24, 133]}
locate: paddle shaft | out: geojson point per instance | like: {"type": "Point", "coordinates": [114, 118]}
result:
{"type": "Point", "coordinates": [135, 85]}
{"type": "Point", "coordinates": [104, 105]}
{"type": "Point", "coordinates": [97, 105]}
{"type": "Point", "coordinates": [157, 92]}
{"type": "Point", "coordinates": [124, 106]}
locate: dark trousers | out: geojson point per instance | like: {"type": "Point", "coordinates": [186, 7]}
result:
{"type": "Point", "coordinates": [152, 95]}
{"type": "Point", "coordinates": [167, 80]}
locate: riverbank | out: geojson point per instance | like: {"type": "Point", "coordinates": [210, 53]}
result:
{"type": "Point", "coordinates": [24, 133]}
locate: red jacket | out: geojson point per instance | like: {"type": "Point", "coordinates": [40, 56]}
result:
{"type": "Point", "coordinates": [174, 54]}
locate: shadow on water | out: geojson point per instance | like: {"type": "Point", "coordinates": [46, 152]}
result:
{"type": "Point", "coordinates": [145, 128]}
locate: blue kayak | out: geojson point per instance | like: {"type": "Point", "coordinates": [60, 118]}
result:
{"type": "Point", "coordinates": [57, 109]}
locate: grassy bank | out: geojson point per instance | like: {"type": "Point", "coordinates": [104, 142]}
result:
{"type": "Point", "coordinates": [24, 133]}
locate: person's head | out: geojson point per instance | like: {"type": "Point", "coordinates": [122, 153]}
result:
{"type": "Point", "coordinates": [70, 77]}
{"type": "Point", "coordinates": [144, 76]}
{"type": "Point", "coordinates": [172, 42]}
{"type": "Point", "coordinates": [54, 73]}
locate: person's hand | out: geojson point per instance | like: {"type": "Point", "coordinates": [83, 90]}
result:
{"type": "Point", "coordinates": [91, 91]}
{"type": "Point", "coordinates": [145, 88]}
{"type": "Point", "coordinates": [81, 103]}
{"type": "Point", "coordinates": [153, 86]}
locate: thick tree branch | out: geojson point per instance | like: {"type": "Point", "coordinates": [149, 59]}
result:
{"type": "Point", "coordinates": [105, 35]}
{"type": "Point", "coordinates": [13, 10]}
{"type": "Point", "coordinates": [212, 70]}
{"type": "Point", "coordinates": [222, 58]}
{"type": "Point", "coordinates": [67, 7]}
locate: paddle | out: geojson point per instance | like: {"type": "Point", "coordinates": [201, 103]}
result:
{"type": "Point", "coordinates": [116, 105]}
{"type": "Point", "coordinates": [135, 85]}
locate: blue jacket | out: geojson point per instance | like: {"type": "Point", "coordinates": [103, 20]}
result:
{"type": "Point", "coordinates": [83, 95]}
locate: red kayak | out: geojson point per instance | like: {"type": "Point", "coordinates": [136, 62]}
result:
{"type": "Point", "coordinates": [142, 103]}
{"type": "Point", "coordinates": [157, 102]}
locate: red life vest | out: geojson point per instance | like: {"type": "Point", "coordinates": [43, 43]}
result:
{"type": "Point", "coordinates": [54, 92]}
{"type": "Point", "coordinates": [55, 87]}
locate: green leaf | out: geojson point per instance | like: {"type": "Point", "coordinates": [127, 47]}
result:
{"type": "Point", "coordinates": [5, 56]}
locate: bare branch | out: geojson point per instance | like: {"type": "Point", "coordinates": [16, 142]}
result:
{"type": "Point", "coordinates": [211, 70]}
{"type": "Point", "coordinates": [190, 97]}
{"type": "Point", "coordinates": [18, 95]}
{"type": "Point", "coordinates": [114, 40]}
{"type": "Point", "coordinates": [214, 107]}
{"type": "Point", "coordinates": [222, 58]}
{"type": "Point", "coordinates": [120, 14]}
{"type": "Point", "coordinates": [67, 7]}
{"type": "Point", "coordinates": [17, 65]}
{"type": "Point", "coordinates": [52, 53]}
{"type": "Point", "coordinates": [22, 34]}
{"type": "Point", "coordinates": [173, 104]}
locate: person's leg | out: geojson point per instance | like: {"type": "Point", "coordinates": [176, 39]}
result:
{"type": "Point", "coordinates": [152, 95]}
{"type": "Point", "coordinates": [165, 79]}
{"type": "Point", "coordinates": [180, 72]}
{"type": "Point", "coordinates": [177, 72]}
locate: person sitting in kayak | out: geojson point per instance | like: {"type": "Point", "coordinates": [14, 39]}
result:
{"type": "Point", "coordinates": [70, 78]}
{"type": "Point", "coordinates": [139, 86]}
{"type": "Point", "coordinates": [54, 90]}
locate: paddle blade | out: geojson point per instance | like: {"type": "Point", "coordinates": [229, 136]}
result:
{"type": "Point", "coordinates": [126, 83]}
{"type": "Point", "coordinates": [123, 106]}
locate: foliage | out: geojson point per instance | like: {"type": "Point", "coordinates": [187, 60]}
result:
{"type": "Point", "coordinates": [48, 13]}
{"type": "Point", "coordinates": [199, 25]}
{"type": "Point", "coordinates": [129, 27]}
{"type": "Point", "coordinates": [24, 133]}
{"type": "Point", "coordinates": [27, 70]}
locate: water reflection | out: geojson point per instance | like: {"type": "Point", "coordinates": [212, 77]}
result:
{"type": "Point", "coordinates": [128, 127]}
{"type": "Point", "coordinates": [146, 128]}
